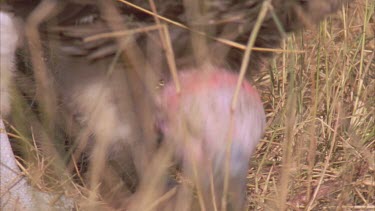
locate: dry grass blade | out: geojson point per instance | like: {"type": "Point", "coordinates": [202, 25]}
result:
{"type": "Point", "coordinates": [221, 40]}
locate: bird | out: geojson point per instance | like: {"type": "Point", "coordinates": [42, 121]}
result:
{"type": "Point", "coordinates": [200, 124]}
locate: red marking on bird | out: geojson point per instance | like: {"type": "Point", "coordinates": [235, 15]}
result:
{"type": "Point", "coordinates": [199, 123]}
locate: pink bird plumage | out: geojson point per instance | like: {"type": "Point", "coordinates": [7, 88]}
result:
{"type": "Point", "coordinates": [197, 121]}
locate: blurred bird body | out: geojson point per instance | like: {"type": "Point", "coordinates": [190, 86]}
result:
{"type": "Point", "coordinates": [199, 123]}
{"type": "Point", "coordinates": [8, 44]}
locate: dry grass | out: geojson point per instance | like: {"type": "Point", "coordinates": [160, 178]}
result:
{"type": "Point", "coordinates": [318, 152]}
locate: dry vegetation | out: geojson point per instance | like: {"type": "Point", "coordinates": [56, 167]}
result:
{"type": "Point", "coordinates": [318, 152]}
{"type": "Point", "coordinates": [319, 146]}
